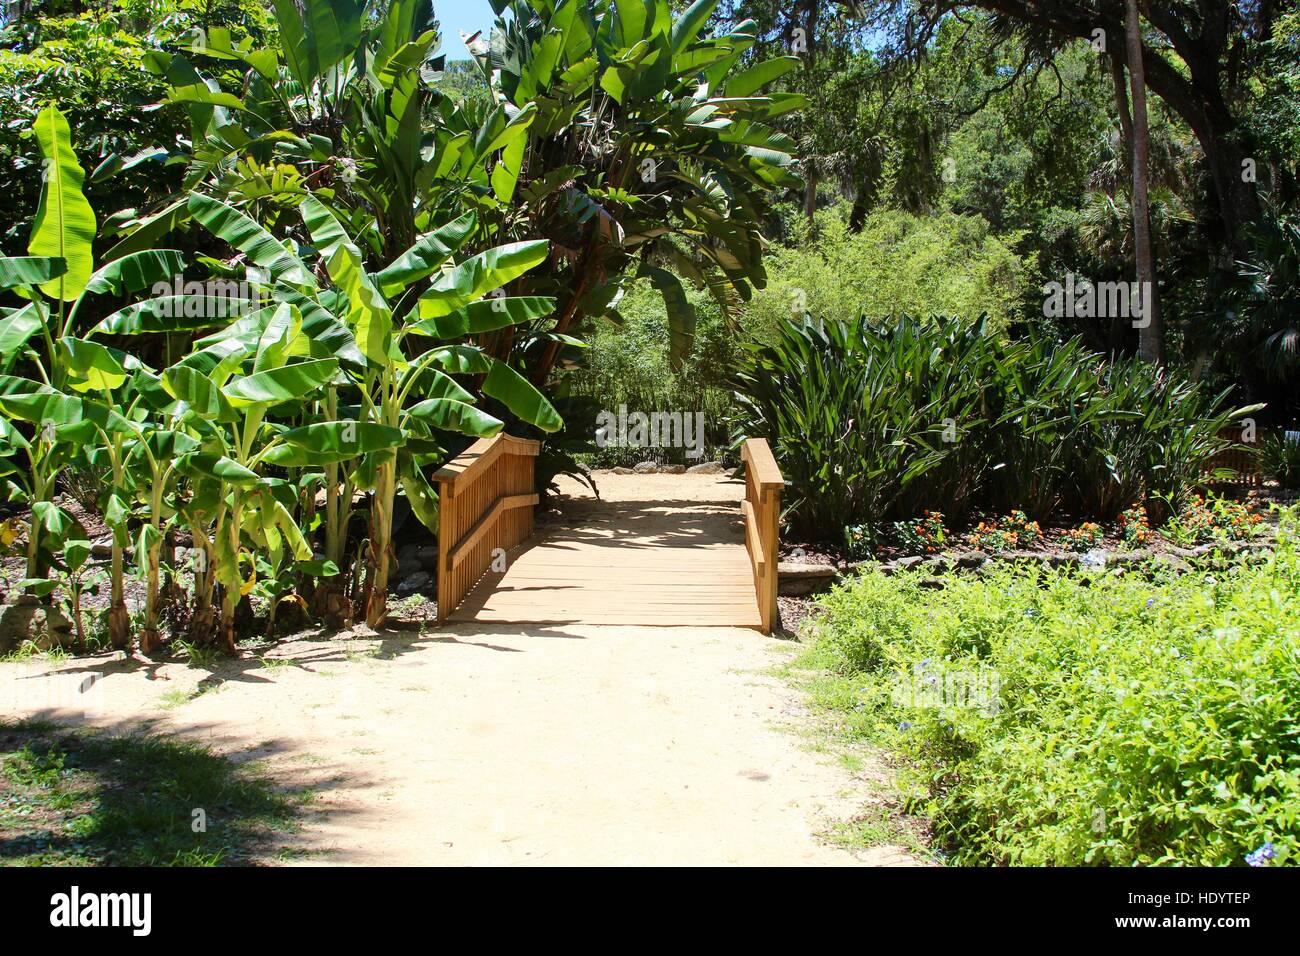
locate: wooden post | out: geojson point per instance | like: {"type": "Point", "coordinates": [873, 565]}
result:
{"type": "Point", "coordinates": [762, 511]}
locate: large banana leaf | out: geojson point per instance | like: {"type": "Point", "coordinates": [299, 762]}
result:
{"type": "Point", "coordinates": [317, 35]}
{"type": "Point", "coordinates": [681, 314]}
{"type": "Point", "coordinates": [369, 316]}
{"type": "Point", "coordinates": [16, 329]}
{"type": "Point", "coordinates": [219, 467]}
{"type": "Point", "coordinates": [518, 394]}
{"type": "Point", "coordinates": [485, 316]}
{"type": "Point", "coordinates": [91, 366]}
{"type": "Point", "coordinates": [284, 384]}
{"type": "Point", "coordinates": [426, 255]}
{"type": "Point", "coordinates": [65, 223]}
{"type": "Point", "coordinates": [172, 313]}
{"type": "Point", "coordinates": [16, 271]}
{"type": "Point", "coordinates": [453, 416]}
{"type": "Point", "coordinates": [480, 274]}
{"type": "Point", "coordinates": [63, 411]}
{"type": "Point", "coordinates": [351, 438]}
{"type": "Point", "coordinates": [136, 271]}
{"type": "Point", "coordinates": [249, 238]}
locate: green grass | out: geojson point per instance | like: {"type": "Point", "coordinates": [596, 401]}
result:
{"type": "Point", "coordinates": [88, 798]}
{"type": "Point", "coordinates": [28, 650]}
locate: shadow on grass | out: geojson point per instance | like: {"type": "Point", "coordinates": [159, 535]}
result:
{"type": "Point", "coordinates": [92, 797]}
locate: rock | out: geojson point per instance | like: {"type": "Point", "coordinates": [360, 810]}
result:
{"type": "Point", "coordinates": [933, 584]}
{"type": "Point", "coordinates": [908, 563]}
{"type": "Point", "coordinates": [1130, 557]}
{"type": "Point", "coordinates": [937, 565]}
{"type": "Point", "coordinates": [1023, 556]}
{"type": "Point", "coordinates": [620, 470]}
{"type": "Point", "coordinates": [794, 580]}
{"type": "Point", "coordinates": [1173, 562]}
{"type": "Point", "coordinates": [428, 556]}
{"type": "Point", "coordinates": [413, 583]}
{"type": "Point", "coordinates": [101, 547]}
{"type": "Point", "coordinates": [1095, 559]}
{"type": "Point", "coordinates": [972, 561]}
{"type": "Point", "coordinates": [705, 468]}
{"type": "Point", "coordinates": [1064, 560]}
{"type": "Point", "coordinates": [645, 468]}
{"type": "Point", "coordinates": [673, 470]}
{"type": "Point", "coordinates": [28, 619]}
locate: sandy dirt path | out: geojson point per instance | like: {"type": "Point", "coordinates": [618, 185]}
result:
{"type": "Point", "coordinates": [499, 744]}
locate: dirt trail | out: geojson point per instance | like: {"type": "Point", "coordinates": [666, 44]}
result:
{"type": "Point", "coordinates": [478, 744]}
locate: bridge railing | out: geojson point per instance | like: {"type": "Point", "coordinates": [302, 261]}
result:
{"type": "Point", "coordinates": [486, 497]}
{"type": "Point", "coordinates": [762, 510]}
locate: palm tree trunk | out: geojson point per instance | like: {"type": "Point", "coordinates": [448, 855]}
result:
{"type": "Point", "coordinates": [1151, 344]}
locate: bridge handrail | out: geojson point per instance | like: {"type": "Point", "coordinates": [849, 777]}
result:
{"type": "Point", "coordinates": [486, 496]}
{"type": "Point", "coordinates": [762, 511]}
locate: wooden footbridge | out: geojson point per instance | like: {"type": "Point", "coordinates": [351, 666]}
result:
{"type": "Point", "coordinates": [655, 559]}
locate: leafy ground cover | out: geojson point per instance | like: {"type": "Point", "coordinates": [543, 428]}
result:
{"type": "Point", "coordinates": [1047, 716]}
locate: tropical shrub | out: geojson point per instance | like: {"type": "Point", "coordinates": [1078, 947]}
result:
{"type": "Point", "coordinates": [1213, 518]}
{"type": "Point", "coordinates": [1006, 533]}
{"type": "Point", "coordinates": [1279, 458]}
{"type": "Point", "coordinates": [896, 263]}
{"type": "Point", "coordinates": [1135, 526]}
{"type": "Point", "coordinates": [1039, 721]}
{"type": "Point", "coordinates": [881, 421]}
{"type": "Point", "coordinates": [324, 374]}
{"type": "Point", "coordinates": [1083, 538]}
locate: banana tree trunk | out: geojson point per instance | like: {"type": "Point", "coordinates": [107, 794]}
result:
{"type": "Point", "coordinates": [150, 637]}
{"type": "Point", "coordinates": [381, 543]}
{"type": "Point", "coordinates": [119, 619]}
{"type": "Point", "coordinates": [202, 619]}
{"type": "Point", "coordinates": [230, 595]}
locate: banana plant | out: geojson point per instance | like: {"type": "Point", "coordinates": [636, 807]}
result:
{"type": "Point", "coordinates": [409, 398]}
{"type": "Point", "coordinates": [228, 390]}
{"type": "Point", "coordinates": [151, 459]}
{"type": "Point", "coordinates": [55, 280]}
{"type": "Point", "coordinates": [649, 156]}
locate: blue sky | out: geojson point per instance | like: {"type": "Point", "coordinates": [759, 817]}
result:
{"type": "Point", "coordinates": [458, 15]}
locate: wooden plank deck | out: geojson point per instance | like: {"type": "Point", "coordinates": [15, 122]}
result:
{"type": "Point", "coordinates": [659, 555]}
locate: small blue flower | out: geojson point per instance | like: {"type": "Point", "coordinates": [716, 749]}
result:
{"type": "Point", "coordinates": [1265, 852]}
{"type": "Point", "coordinates": [1150, 601]}
{"type": "Point", "coordinates": [905, 725]}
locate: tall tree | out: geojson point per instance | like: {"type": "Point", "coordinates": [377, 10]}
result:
{"type": "Point", "coordinates": [1151, 332]}
{"type": "Point", "coordinates": [1197, 58]}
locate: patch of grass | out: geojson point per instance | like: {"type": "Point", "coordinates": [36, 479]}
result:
{"type": "Point", "coordinates": [174, 698]}
{"type": "Point", "coordinates": [28, 650]}
{"type": "Point", "coordinates": [355, 653]}
{"type": "Point", "coordinates": [88, 798]}
{"type": "Point", "coordinates": [877, 824]}
{"type": "Point", "coordinates": [178, 697]}
{"type": "Point", "coordinates": [197, 655]}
